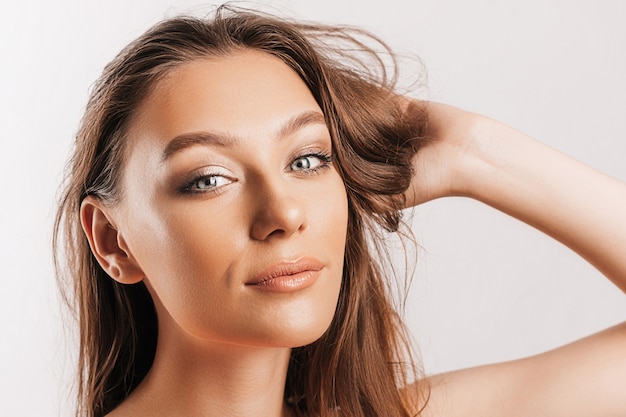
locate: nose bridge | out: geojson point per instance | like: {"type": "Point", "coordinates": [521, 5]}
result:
{"type": "Point", "coordinates": [278, 209]}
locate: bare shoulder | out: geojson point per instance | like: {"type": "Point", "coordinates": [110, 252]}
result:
{"type": "Point", "coordinates": [584, 378]}
{"type": "Point", "coordinates": [130, 407]}
{"type": "Point", "coordinates": [122, 411]}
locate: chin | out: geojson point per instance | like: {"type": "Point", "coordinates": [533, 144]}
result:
{"type": "Point", "coordinates": [296, 334]}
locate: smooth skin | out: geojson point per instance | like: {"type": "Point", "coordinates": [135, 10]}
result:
{"type": "Point", "coordinates": [223, 347]}
{"type": "Point", "coordinates": [226, 175]}
{"type": "Point", "coordinates": [479, 158]}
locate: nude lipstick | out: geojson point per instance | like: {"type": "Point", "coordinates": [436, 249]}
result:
{"type": "Point", "coordinates": [288, 276]}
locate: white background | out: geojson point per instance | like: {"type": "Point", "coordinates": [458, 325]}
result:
{"type": "Point", "coordinates": [487, 288]}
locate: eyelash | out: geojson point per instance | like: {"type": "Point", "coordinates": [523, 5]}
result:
{"type": "Point", "coordinates": [325, 160]}
{"type": "Point", "coordinates": [190, 186]}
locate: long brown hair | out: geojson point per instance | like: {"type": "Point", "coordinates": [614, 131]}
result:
{"type": "Point", "coordinates": [364, 357]}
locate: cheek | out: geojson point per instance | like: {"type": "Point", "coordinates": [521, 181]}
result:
{"type": "Point", "coordinates": [331, 208]}
{"type": "Point", "coordinates": [188, 256]}
{"type": "Point", "coordinates": [338, 214]}
{"type": "Point", "coordinates": [192, 256]}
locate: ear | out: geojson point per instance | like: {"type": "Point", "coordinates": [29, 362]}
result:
{"type": "Point", "coordinates": [107, 243]}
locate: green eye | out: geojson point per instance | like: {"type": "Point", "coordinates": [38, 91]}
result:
{"type": "Point", "coordinates": [205, 183]}
{"type": "Point", "coordinates": [303, 163]}
{"type": "Point", "coordinates": [310, 162]}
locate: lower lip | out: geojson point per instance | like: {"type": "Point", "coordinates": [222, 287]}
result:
{"type": "Point", "coordinates": [288, 283]}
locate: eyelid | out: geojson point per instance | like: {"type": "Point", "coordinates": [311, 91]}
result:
{"type": "Point", "coordinates": [315, 149]}
{"type": "Point", "coordinates": [189, 181]}
{"type": "Point", "coordinates": [323, 155]}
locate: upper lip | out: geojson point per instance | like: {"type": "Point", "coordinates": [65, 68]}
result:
{"type": "Point", "coordinates": [286, 268]}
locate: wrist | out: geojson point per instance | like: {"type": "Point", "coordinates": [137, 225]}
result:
{"type": "Point", "coordinates": [475, 162]}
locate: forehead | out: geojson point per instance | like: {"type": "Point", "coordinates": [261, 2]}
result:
{"type": "Point", "coordinates": [238, 94]}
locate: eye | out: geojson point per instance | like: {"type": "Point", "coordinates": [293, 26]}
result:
{"type": "Point", "coordinates": [213, 181]}
{"type": "Point", "coordinates": [205, 184]}
{"type": "Point", "coordinates": [310, 162]}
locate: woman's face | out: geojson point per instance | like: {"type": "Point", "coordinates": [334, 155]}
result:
{"type": "Point", "coordinates": [231, 205]}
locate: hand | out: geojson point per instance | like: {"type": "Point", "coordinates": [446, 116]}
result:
{"type": "Point", "coordinates": [474, 156]}
{"type": "Point", "coordinates": [441, 162]}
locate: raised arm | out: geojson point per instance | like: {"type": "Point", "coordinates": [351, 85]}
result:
{"type": "Point", "coordinates": [474, 156]}
{"type": "Point", "coordinates": [477, 157]}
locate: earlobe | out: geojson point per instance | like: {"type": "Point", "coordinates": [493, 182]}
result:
{"type": "Point", "coordinates": [107, 244]}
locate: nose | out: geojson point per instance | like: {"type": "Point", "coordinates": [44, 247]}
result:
{"type": "Point", "coordinates": [279, 213]}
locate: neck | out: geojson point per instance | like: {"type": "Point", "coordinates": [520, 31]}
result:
{"type": "Point", "coordinates": [190, 377]}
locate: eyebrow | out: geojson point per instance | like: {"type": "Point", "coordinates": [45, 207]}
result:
{"type": "Point", "coordinates": [187, 140]}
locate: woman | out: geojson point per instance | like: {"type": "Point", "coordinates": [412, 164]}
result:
{"type": "Point", "coordinates": [220, 208]}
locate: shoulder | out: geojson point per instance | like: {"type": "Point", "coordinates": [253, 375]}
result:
{"type": "Point", "coordinates": [130, 408]}
{"type": "Point", "coordinates": [584, 378]}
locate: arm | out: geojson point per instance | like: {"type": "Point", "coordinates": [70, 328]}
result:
{"type": "Point", "coordinates": [585, 378]}
{"type": "Point", "coordinates": [473, 156]}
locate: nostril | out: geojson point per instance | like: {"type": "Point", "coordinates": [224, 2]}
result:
{"type": "Point", "coordinates": [279, 218]}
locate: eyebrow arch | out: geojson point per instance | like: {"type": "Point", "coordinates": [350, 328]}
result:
{"type": "Point", "coordinates": [300, 121]}
{"type": "Point", "coordinates": [187, 140]}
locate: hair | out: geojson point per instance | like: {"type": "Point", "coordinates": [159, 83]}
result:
{"type": "Point", "coordinates": [364, 358]}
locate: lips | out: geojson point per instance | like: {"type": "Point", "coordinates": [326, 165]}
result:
{"type": "Point", "coordinates": [288, 275]}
